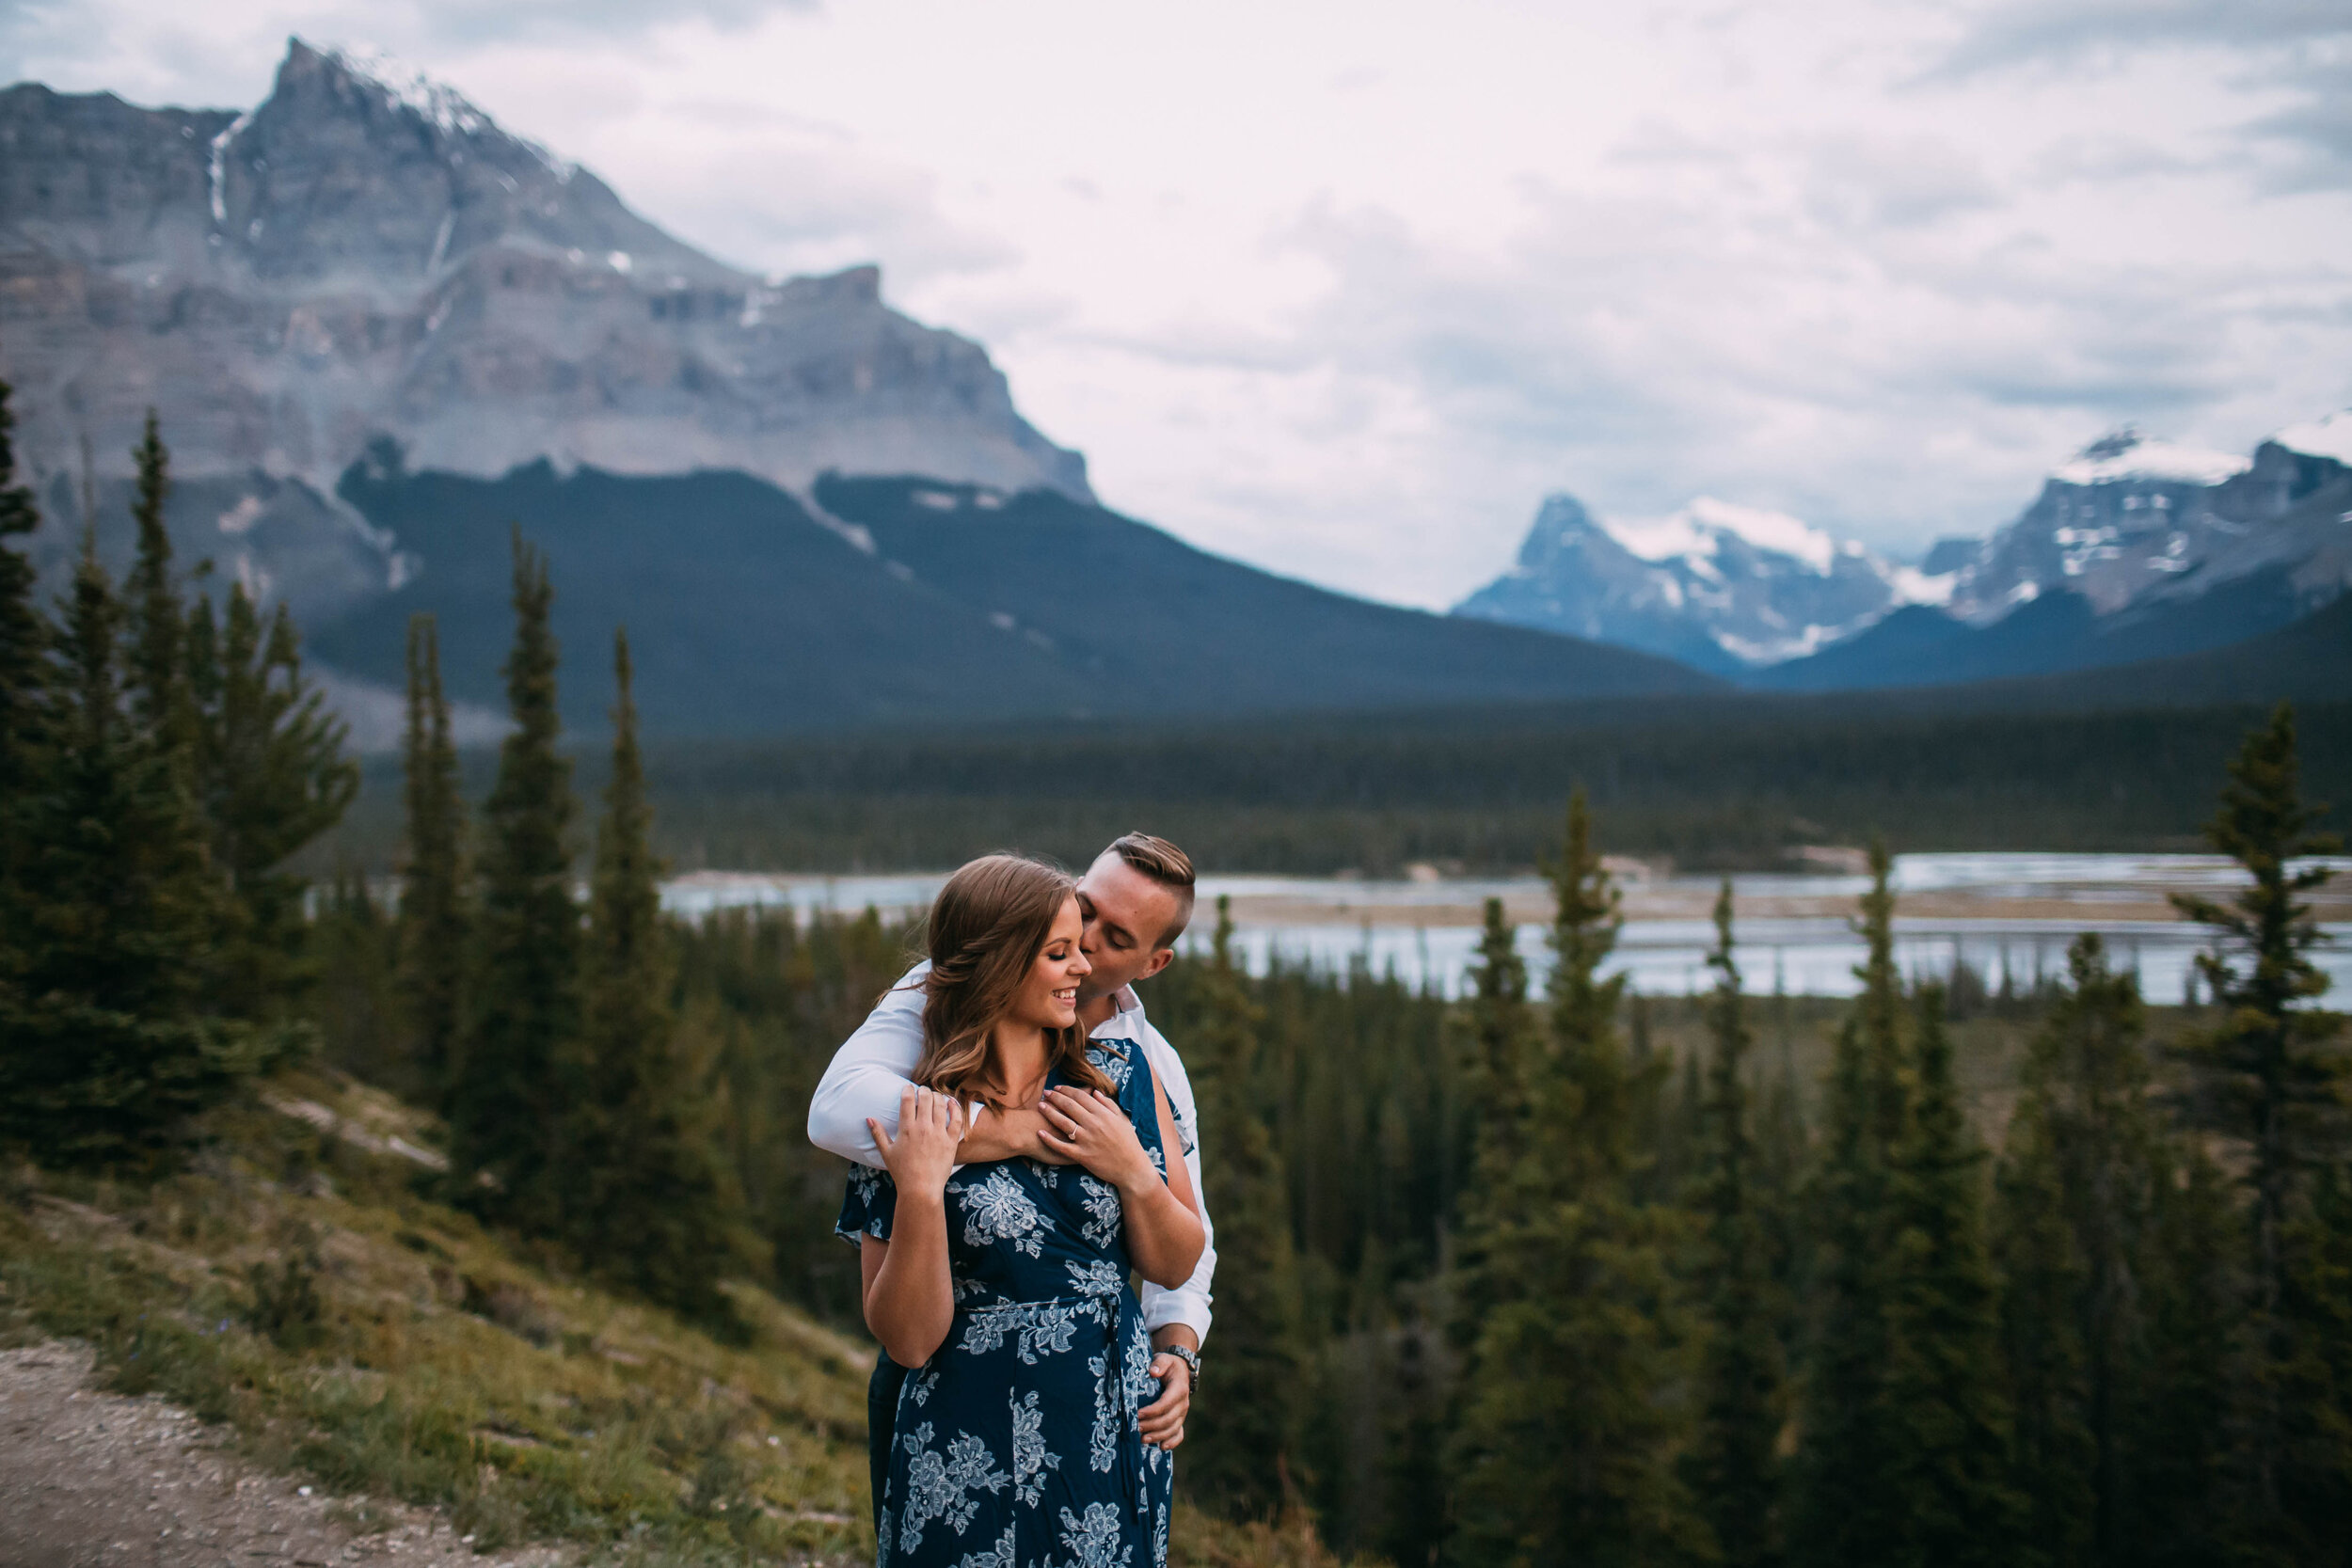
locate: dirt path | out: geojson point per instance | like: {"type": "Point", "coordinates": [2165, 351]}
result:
{"type": "Point", "coordinates": [91, 1479]}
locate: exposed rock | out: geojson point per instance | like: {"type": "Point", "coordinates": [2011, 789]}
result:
{"type": "Point", "coordinates": [367, 256]}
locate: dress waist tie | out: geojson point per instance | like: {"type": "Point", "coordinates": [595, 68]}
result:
{"type": "Point", "coordinates": [1021, 1321]}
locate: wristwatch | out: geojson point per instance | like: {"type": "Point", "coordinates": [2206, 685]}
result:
{"type": "Point", "coordinates": [1189, 1357]}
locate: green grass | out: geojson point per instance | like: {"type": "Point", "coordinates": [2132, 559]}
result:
{"type": "Point", "coordinates": [294, 1285]}
{"type": "Point", "coordinates": [394, 1349]}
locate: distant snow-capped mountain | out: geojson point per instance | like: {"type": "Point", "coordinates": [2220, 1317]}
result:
{"type": "Point", "coordinates": [2136, 547]}
{"type": "Point", "coordinates": [2126, 519]}
{"type": "Point", "coordinates": [1724, 587]}
{"type": "Point", "coordinates": [2131, 523]}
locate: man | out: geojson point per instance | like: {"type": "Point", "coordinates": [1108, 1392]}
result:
{"type": "Point", "coordinates": [1135, 899]}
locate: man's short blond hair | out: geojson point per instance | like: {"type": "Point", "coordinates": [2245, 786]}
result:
{"type": "Point", "coordinates": [1166, 865]}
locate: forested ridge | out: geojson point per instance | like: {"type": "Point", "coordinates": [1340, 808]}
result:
{"type": "Point", "coordinates": [1717, 786]}
{"type": "Point", "coordinates": [1935, 1277]}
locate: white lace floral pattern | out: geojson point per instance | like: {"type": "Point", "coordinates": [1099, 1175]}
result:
{"type": "Point", "coordinates": [1037, 1328]}
{"type": "Point", "coordinates": [998, 1210]}
{"type": "Point", "coordinates": [940, 1486]}
{"type": "Point", "coordinates": [1031, 1459]}
{"type": "Point", "coordinates": [1094, 1540]}
{"type": "Point", "coordinates": [1103, 1214]}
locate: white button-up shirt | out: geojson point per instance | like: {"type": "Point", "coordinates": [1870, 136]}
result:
{"type": "Point", "coordinates": [870, 1072]}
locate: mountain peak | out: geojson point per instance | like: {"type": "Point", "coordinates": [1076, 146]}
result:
{"type": "Point", "coordinates": [2127, 453]}
{"type": "Point", "coordinates": [2329, 435]}
{"type": "Point", "coordinates": [402, 88]}
{"type": "Point", "coordinates": [1719, 585]}
{"type": "Point", "coordinates": [368, 253]}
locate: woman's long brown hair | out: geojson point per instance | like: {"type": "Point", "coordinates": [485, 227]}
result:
{"type": "Point", "coordinates": [987, 927]}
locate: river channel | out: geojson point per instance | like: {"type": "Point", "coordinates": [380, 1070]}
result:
{"type": "Point", "coordinates": [1998, 913]}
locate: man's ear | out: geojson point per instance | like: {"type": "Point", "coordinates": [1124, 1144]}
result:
{"type": "Point", "coordinates": [1160, 960]}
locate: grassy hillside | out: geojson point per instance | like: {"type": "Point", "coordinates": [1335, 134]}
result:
{"type": "Point", "coordinates": [294, 1286]}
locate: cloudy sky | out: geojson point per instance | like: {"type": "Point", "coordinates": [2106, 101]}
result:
{"type": "Point", "coordinates": [1345, 288]}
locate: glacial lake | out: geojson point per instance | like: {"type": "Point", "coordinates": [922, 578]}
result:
{"type": "Point", "coordinates": [1995, 911]}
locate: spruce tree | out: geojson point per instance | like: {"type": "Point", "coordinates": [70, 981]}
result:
{"type": "Point", "coordinates": [1504, 1045]}
{"type": "Point", "coordinates": [1946, 1413]}
{"type": "Point", "coordinates": [1572, 1420]}
{"type": "Point", "coordinates": [650, 1206]}
{"type": "Point", "coordinates": [2274, 1069]}
{"type": "Point", "coordinates": [1592, 1080]}
{"type": "Point", "coordinates": [108, 1053]}
{"type": "Point", "coordinates": [271, 777]}
{"type": "Point", "coordinates": [157, 675]}
{"type": "Point", "coordinates": [1240, 1441]}
{"type": "Point", "coordinates": [519, 1077]}
{"type": "Point", "coordinates": [2316, 1380]}
{"type": "Point", "coordinates": [2194, 1310]}
{"type": "Point", "coordinates": [1844, 1513]}
{"type": "Point", "coordinates": [1734, 1471]}
{"type": "Point", "coordinates": [436, 914]}
{"type": "Point", "coordinates": [23, 711]}
{"type": "Point", "coordinates": [2083, 1178]}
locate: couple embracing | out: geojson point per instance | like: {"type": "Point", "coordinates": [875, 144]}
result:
{"type": "Point", "coordinates": [1023, 1139]}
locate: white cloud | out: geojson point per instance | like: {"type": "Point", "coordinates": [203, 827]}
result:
{"type": "Point", "coordinates": [1344, 288]}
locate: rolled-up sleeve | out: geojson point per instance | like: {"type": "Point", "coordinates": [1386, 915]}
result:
{"type": "Point", "coordinates": [869, 1075]}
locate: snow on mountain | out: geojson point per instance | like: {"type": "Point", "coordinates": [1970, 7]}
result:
{"type": "Point", "coordinates": [2131, 521]}
{"type": "Point", "coordinates": [1695, 532]}
{"type": "Point", "coordinates": [367, 256]}
{"type": "Point", "coordinates": [2127, 454]}
{"type": "Point", "coordinates": [2329, 436]}
{"type": "Point", "coordinates": [2129, 524]}
{"type": "Point", "coordinates": [1716, 584]}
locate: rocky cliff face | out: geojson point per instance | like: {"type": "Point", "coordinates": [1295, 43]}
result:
{"type": "Point", "coordinates": [367, 257]}
{"type": "Point", "coordinates": [2132, 524]}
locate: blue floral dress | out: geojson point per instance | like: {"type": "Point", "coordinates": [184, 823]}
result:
{"type": "Point", "coordinates": [1017, 1443]}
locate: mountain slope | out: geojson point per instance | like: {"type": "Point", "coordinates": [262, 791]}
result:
{"type": "Point", "coordinates": [2266, 573]}
{"type": "Point", "coordinates": [1170, 628]}
{"type": "Point", "coordinates": [908, 601]}
{"type": "Point", "coordinates": [2308, 660]}
{"type": "Point", "coordinates": [367, 254]}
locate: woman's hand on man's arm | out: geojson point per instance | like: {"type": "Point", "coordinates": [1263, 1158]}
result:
{"type": "Point", "coordinates": [909, 1293]}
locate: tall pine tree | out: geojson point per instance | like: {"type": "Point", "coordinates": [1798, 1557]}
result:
{"type": "Point", "coordinates": [650, 1205]}
{"type": "Point", "coordinates": [2274, 1070]}
{"type": "Point", "coordinates": [519, 1075]}
{"type": "Point", "coordinates": [109, 1053]}
{"type": "Point", "coordinates": [2083, 1176]}
{"type": "Point", "coordinates": [1572, 1420]}
{"type": "Point", "coordinates": [1844, 1513]}
{"type": "Point", "coordinates": [1735, 1472]}
{"type": "Point", "coordinates": [23, 712]}
{"type": "Point", "coordinates": [270, 776]}
{"type": "Point", "coordinates": [435, 923]}
{"type": "Point", "coordinates": [1505, 1045]}
{"type": "Point", "coordinates": [1240, 1441]}
{"type": "Point", "coordinates": [157, 675]}
{"type": "Point", "coordinates": [2186, 1442]}
{"type": "Point", "coordinates": [1948, 1418]}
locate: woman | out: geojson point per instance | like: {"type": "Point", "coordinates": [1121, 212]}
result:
{"type": "Point", "coordinates": [1004, 1284]}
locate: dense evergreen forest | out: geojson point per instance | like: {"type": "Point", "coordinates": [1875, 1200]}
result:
{"type": "Point", "coordinates": [1935, 1277]}
{"type": "Point", "coordinates": [1715, 783]}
